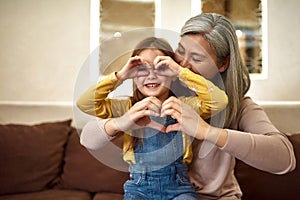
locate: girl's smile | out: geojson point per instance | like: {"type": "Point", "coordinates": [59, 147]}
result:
{"type": "Point", "coordinates": [148, 81]}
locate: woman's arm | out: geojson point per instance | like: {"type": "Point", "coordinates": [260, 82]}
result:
{"type": "Point", "coordinates": [93, 135]}
{"type": "Point", "coordinates": [258, 142]}
{"type": "Point", "coordinates": [253, 139]}
{"type": "Point", "coordinates": [97, 133]}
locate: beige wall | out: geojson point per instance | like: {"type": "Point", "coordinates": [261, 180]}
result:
{"type": "Point", "coordinates": [43, 44]}
{"type": "Point", "coordinates": [283, 80]}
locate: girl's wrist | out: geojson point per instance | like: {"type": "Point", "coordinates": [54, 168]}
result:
{"type": "Point", "coordinates": [182, 71]}
{"type": "Point", "coordinates": [179, 70]}
{"type": "Point", "coordinates": [119, 75]}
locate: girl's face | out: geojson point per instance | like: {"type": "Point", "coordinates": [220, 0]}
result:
{"type": "Point", "coordinates": [152, 84]}
{"type": "Point", "coordinates": [195, 53]}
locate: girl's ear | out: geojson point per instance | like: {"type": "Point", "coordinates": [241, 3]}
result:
{"type": "Point", "coordinates": [224, 65]}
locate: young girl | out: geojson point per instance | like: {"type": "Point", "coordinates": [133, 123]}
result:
{"type": "Point", "coordinates": [158, 160]}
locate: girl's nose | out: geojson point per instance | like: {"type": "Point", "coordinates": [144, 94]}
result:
{"type": "Point", "coordinates": [152, 74]}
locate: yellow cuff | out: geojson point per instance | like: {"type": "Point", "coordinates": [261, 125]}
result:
{"type": "Point", "coordinates": [113, 77]}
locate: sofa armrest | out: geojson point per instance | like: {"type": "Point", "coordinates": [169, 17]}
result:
{"type": "Point", "coordinates": [259, 185]}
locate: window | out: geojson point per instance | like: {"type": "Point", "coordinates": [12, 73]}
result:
{"type": "Point", "coordinates": [248, 17]}
{"type": "Point", "coordinates": [123, 16]}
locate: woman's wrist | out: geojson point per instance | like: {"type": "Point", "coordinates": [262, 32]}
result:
{"type": "Point", "coordinates": [217, 136]}
{"type": "Point", "coordinates": [110, 128]}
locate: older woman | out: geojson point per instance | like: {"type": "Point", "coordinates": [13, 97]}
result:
{"type": "Point", "coordinates": [209, 47]}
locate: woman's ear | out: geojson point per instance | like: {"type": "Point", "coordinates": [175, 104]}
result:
{"type": "Point", "coordinates": [224, 65]}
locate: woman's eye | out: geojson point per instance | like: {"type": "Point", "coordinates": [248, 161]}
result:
{"type": "Point", "coordinates": [196, 60]}
{"type": "Point", "coordinates": [180, 51]}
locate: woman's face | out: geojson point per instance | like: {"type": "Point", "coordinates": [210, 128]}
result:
{"type": "Point", "coordinates": [195, 53]}
{"type": "Point", "coordinates": [152, 84]}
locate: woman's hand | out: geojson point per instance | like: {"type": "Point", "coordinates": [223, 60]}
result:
{"type": "Point", "coordinates": [174, 68]}
{"type": "Point", "coordinates": [188, 119]}
{"type": "Point", "coordinates": [137, 117]}
{"type": "Point", "coordinates": [191, 123]}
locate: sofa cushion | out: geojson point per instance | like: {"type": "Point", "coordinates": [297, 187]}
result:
{"type": "Point", "coordinates": [50, 195]}
{"type": "Point", "coordinates": [107, 196]}
{"type": "Point", "coordinates": [31, 155]}
{"type": "Point", "coordinates": [83, 171]}
{"type": "Point", "coordinates": [259, 185]}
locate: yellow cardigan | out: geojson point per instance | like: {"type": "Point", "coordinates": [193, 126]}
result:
{"type": "Point", "coordinates": [208, 101]}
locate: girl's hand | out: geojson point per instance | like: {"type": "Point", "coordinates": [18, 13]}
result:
{"type": "Point", "coordinates": [161, 62]}
{"type": "Point", "coordinates": [130, 68]}
{"type": "Point", "coordinates": [137, 117]}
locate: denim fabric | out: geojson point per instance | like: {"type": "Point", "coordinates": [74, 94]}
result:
{"type": "Point", "coordinates": [159, 171]}
{"type": "Point", "coordinates": [171, 182]}
{"type": "Point", "coordinates": [157, 149]}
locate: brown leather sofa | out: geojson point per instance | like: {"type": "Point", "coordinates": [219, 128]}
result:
{"type": "Point", "coordinates": [46, 162]}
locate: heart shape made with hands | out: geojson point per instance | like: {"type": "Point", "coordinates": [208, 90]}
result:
{"type": "Point", "coordinates": [160, 127]}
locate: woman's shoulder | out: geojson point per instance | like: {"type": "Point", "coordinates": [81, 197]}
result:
{"type": "Point", "coordinates": [247, 110]}
{"type": "Point", "coordinates": [248, 102]}
{"type": "Point", "coordinates": [249, 107]}
{"type": "Point", "coordinates": [250, 111]}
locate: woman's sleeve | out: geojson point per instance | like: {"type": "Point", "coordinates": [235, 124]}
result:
{"type": "Point", "coordinates": [93, 135]}
{"type": "Point", "coordinates": [94, 101]}
{"type": "Point", "coordinates": [210, 98]}
{"type": "Point", "coordinates": [258, 143]}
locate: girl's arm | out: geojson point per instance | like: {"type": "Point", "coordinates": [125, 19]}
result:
{"type": "Point", "coordinates": [94, 101]}
{"type": "Point", "coordinates": [210, 98]}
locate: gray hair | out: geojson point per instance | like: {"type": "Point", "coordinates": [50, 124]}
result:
{"type": "Point", "coordinates": [219, 32]}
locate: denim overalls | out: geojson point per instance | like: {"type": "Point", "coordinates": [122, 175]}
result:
{"type": "Point", "coordinates": [159, 171]}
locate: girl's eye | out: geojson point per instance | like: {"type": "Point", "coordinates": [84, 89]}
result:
{"type": "Point", "coordinates": [162, 68]}
{"type": "Point", "coordinates": [142, 71]}
{"type": "Point", "coordinates": [142, 68]}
